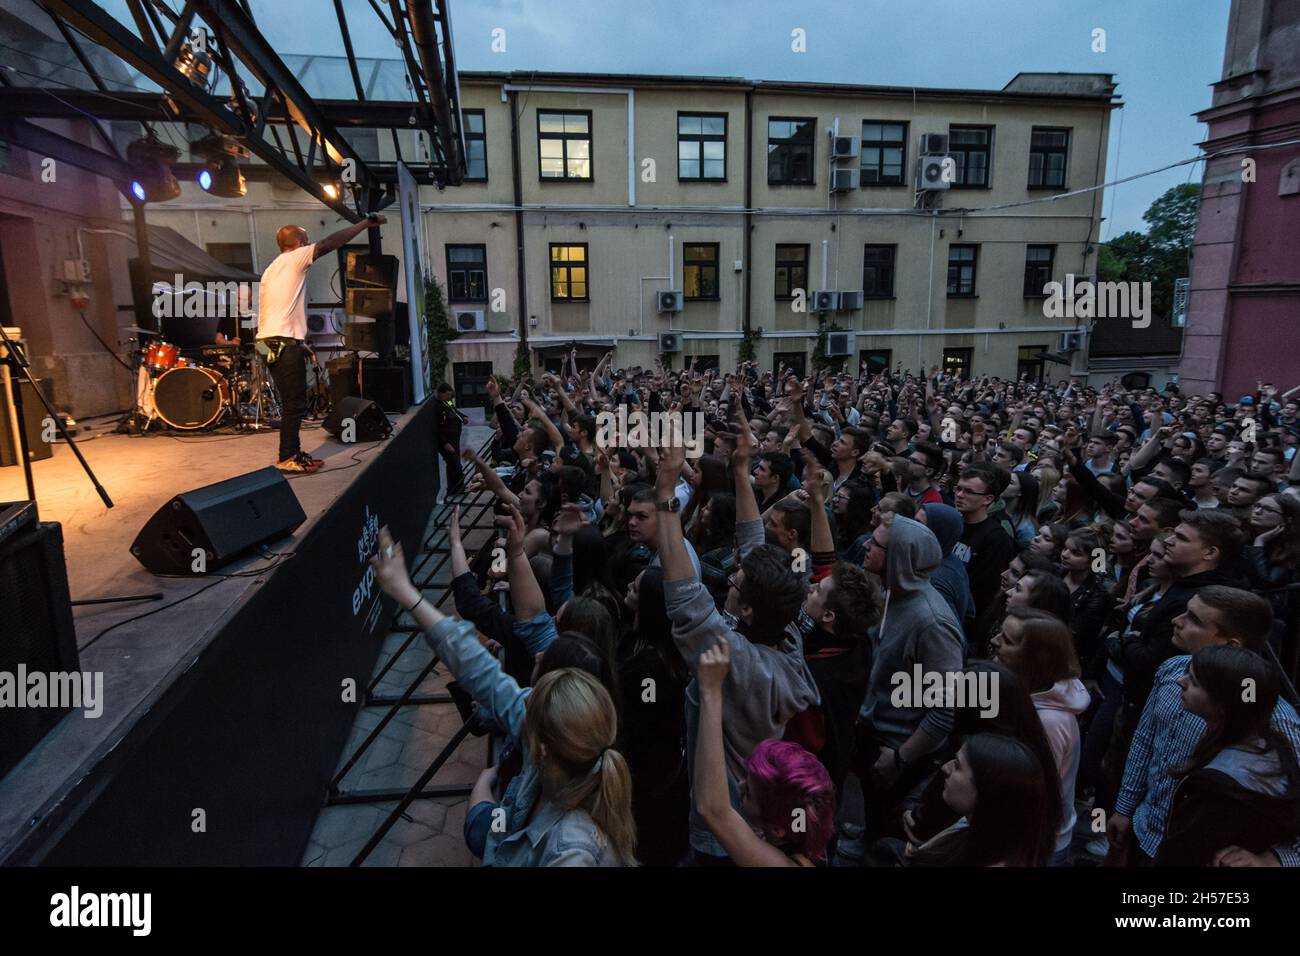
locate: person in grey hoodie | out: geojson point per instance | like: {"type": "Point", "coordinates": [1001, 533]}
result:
{"type": "Point", "coordinates": [769, 682]}
{"type": "Point", "coordinates": [897, 735]}
{"type": "Point", "coordinates": [950, 578]}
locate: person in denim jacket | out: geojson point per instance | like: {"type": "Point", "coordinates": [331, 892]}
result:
{"type": "Point", "coordinates": [570, 805]}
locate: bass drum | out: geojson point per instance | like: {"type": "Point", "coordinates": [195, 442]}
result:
{"type": "Point", "coordinates": [191, 397]}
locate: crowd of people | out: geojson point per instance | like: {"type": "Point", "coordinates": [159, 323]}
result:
{"type": "Point", "coordinates": [698, 660]}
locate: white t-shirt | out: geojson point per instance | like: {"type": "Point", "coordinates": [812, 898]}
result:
{"type": "Point", "coordinates": [282, 295]}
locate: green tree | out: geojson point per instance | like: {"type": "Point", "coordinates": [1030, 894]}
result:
{"type": "Point", "coordinates": [1160, 255]}
{"type": "Point", "coordinates": [439, 328]}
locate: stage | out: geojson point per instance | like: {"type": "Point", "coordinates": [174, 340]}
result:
{"type": "Point", "coordinates": [227, 699]}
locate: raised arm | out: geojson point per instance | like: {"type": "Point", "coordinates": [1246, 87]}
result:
{"type": "Point", "coordinates": [537, 412]}
{"type": "Point", "coordinates": [712, 797]}
{"type": "Point", "coordinates": [490, 478]}
{"type": "Point", "coordinates": [525, 593]}
{"type": "Point", "coordinates": [673, 556]}
{"type": "Point", "coordinates": [337, 240]}
{"type": "Point", "coordinates": [459, 561]}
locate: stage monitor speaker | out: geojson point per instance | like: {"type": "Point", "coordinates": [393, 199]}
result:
{"type": "Point", "coordinates": [38, 635]}
{"type": "Point", "coordinates": [222, 522]}
{"type": "Point", "coordinates": [369, 421]}
{"type": "Point", "coordinates": [33, 416]}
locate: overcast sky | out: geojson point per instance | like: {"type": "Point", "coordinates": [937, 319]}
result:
{"type": "Point", "coordinates": [1163, 53]}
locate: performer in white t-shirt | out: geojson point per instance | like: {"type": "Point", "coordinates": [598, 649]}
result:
{"type": "Point", "coordinates": [282, 326]}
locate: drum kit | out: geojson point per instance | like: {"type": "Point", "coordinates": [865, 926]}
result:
{"type": "Point", "coordinates": [214, 385]}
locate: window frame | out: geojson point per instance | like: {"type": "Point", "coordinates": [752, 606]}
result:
{"type": "Point", "coordinates": [1051, 266]}
{"type": "Point", "coordinates": [812, 146]}
{"type": "Point", "coordinates": [893, 271]}
{"type": "Point", "coordinates": [717, 271]}
{"type": "Point", "coordinates": [987, 150]}
{"type": "Point", "coordinates": [564, 138]}
{"type": "Point", "coordinates": [881, 144]}
{"type": "Point", "coordinates": [462, 268]}
{"type": "Point", "coordinates": [974, 271]}
{"type": "Point", "coordinates": [776, 266]}
{"type": "Point", "coordinates": [1023, 363]}
{"type": "Point", "coordinates": [964, 356]}
{"type": "Point", "coordinates": [475, 136]}
{"type": "Point", "coordinates": [865, 355]}
{"type": "Point", "coordinates": [568, 267]}
{"type": "Point", "coordinates": [798, 362]}
{"type": "Point", "coordinates": [1063, 151]}
{"type": "Point", "coordinates": [700, 139]}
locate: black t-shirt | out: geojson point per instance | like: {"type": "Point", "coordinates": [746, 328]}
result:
{"type": "Point", "coordinates": [986, 549]}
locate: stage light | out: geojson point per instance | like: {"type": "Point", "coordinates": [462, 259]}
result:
{"type": "Point", "coordinates": [151, 161]}
{"type": "Point", "coordinates": [222, 177]}
{"type": "Point", "coordinates": [331, 190]}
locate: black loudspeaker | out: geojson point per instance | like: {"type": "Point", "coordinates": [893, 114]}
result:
{"type": "Point", "coordinates": [33, 421]}
{"type": "Point", "coordinates": [388, 385]}
{"type": "Point", "coordinates": [370, 335]}
{"type": "Point", "coordinates": [224, 521]}
{"type": "Point", "coordinates": [38, 636]}
{"type": "Point", "coordinates": [370, 422]}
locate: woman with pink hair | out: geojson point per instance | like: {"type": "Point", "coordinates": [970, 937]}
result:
{"type": "Point", "coordinates": [787, 792]}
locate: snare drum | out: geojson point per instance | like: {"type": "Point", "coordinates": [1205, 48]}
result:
{"type": "Point", "coordinates": [160, 356]}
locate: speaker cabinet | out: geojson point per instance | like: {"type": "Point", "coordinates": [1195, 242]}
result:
{"type": "Point", "coordinates": [38, 635]}
{"type": "Point", "coordinates": [368, 419]}
{"type": "Point", "coordinates": [33, 422]}
{"type": "Point", "coordinates": [224, 521]}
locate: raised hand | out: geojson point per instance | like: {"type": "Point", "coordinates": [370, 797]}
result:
{"type": "Point", "coordinates": [711, 671]}
{"type": "Point", "coordinates": [516, 529]}
{"type": "Point", "coordinates": [569, 521]}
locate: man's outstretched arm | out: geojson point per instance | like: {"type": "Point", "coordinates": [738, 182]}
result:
{"type": "Point", "coordinates": [337, 240]}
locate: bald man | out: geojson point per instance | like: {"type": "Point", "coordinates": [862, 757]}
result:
{"type": "Point", "coordinates": [282, 325]}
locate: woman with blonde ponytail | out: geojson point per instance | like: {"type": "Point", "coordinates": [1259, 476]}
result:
{"type": "Point", "coordinates": [571, 803]}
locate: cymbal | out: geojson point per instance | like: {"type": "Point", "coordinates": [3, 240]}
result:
{"type": "Point", "coordinates": [139, 331]}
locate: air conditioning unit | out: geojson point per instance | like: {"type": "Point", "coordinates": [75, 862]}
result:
{"type": "Point", "coordinates": [1069, 342]}
{"type": "Point", "coordinates": [850, 301]}
{"type": "Point", "coordinates": [934, 144]}
{"type": "Point", "coordinates": [669, 301]}
{"type": "Point", "coordinates": [670, 342]}
{"type": "Point", "coordinates": [842, 180]}
{"type": "Point", "coordinates": [471, 320]}
{"type": "Point", "coordinates": [932, 169]}
{"type": "Point", "coordinates": [823, 300]}
{"type": "Point", "coordinates": [843, 147]}
{"type": "Point", "coordinates": [839, 343]}
{"type": "Point", "coordinates": [325, 323]}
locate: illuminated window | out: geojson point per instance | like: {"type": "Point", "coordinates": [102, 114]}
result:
{"type": "Point", "coordinates": [569, 272]}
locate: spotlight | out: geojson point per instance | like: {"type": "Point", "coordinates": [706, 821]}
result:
{"type": "Point", "coordinates": [222, 177]}
{"type": "Point", "coordinates": [331, 190]}
{"type": "Point", "coordinates": [152, 161]}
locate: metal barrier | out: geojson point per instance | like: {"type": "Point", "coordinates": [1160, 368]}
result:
{"type": "Point", "coordinates": [472, 518]}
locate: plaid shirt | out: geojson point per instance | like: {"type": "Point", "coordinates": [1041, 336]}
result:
{"type": "Point", "coordinates": [1164, 739]}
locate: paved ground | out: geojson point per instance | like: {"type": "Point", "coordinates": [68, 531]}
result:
{"type": "Point", "coordinates": [430, 831]}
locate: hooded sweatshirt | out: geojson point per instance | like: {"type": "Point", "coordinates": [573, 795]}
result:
{"type": "Point", "coordinates": [950, 578]}
{"type": "Point", "coordinates": [766, 685]}
{"type": "Point", "coordinates": [917, 627]}
{"type": "Point", "coordinates": [1058, 709]}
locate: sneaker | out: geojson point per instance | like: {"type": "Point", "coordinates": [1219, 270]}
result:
{"type": "Point", "coordinates": [301, 463]}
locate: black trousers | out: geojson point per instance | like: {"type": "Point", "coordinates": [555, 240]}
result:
{"type": "Point", "coordinates": [455, 476]}
{"type": "Point", "coordinates": [289, 372]}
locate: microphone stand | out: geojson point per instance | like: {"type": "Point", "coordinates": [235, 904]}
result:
{"type": "Point", "coordinates": [20, 369]}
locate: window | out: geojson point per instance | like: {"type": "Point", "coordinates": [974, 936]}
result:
{"type": "Point", "coordinates": [1038, 269]}
{"type": "Point", "coordinates": [791, 270]}
{"type": "Point", "coordinates": [471, 383]}
{"type": "Point", "coordinates": [884, 153]}
{"type": "Point", "coordinates": [1048, 149]}
{"type": "Point", "coordinates": [700, 270]}
{"type": "Point", "coordinates": [796, 362]}
{"type": "Point", "coordinates": [467, 274]}
{"type": "Point", "coordinates": [877, 360]}
{"type": "Point", "coordinates": [961, 270]}
{"type": "Point", "coordinates": [702, 146]}
{"type": "Point", "coordinates": [971, 148]}
{"type": "Point", "coordinates": [957, 362]}
{"type": "Point", "coordinates": [1029, 362]}
{"type": "Point", "coordinates": [878, 272]}
{"type": "Point", "coordinates": [791, 146]}
{"type": "Point", "coordinates": [564, 145]}
{"type": "Point", "coordinates": [475, 146]}
{"type": "Point", "coordinates": [703, 363]}
{"type": "Point", "coordinates": [237, 254]}
{"type": "Point", "coordinates": [569, 272]}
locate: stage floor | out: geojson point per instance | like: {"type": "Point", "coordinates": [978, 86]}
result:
{"type": "Point", "coordinates": [139, 658]}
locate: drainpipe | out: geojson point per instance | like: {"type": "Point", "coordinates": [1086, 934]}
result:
{"type": "Point", "coordinates": [749, 216]}
{"type": "Point", "coordinates": [520, 266]}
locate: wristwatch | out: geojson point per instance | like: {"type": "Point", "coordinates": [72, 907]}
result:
{"type": "Point", "coordinates": [673, 505]}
